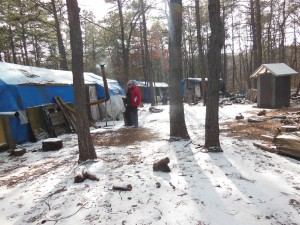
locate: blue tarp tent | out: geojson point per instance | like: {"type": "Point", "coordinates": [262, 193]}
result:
{"type": "Point", "coordinates": [23, 86]}
{"type": "Point", "coordinates": [188, 82]}
{"type": "Point", "coordinates": [161, 89]}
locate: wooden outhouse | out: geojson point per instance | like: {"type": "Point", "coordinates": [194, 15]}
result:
{"type": "Point", "coordinates": [273, 85]}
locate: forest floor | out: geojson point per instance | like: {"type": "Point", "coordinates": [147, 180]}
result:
{"type": "Point", "coordinates": [243, 183]}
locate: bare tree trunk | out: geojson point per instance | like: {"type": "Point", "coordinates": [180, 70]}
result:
{"type": "Point", "coordinates": [12, 45]}
{"type": "Point", "coordinates": [148, 62]}
{"type": "Point", "coordinates": [258, 33]}
{"type": "Point", "coordinates": [254, 35]}
{"type": "Point", "coordinates": [202, 60]}
{"type": "Point", "coordinates": [125, 76]}
{"type": "Point", "coordinates": [224, 60]}
{"type": "Point", "coordinates": [269, 31]}
{"type": "Point", "coordinates": [143, 55]}
{"type": "Point", "coordinates": [24, 43]}
{"type": "Point", "coordinates": [37, 51]}
{"type": "Point", "coordinates": [216, 42]}
{"type": "Point", "coordinates": [177, 123]}
{"type": "Point", "coordinates": [85, 144]}
{"type": "Point", "coordinates": [61, 48]}
{"type": "Point", "coordinates": [282, 34]}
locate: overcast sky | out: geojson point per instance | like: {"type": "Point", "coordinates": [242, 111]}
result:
{"type": "Point", "coordinates": [98, 7]}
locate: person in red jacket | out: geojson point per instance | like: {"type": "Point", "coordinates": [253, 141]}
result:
{"type": "Point", "coordinates": [133, 96]}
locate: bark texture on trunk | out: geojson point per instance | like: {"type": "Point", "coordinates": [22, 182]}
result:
{"type": "Point", "coordinates": [85, 144]}
{"type": "Point", "coordinates": [177, 123]}
{"type": "Point", "coordinates": [216, 41]}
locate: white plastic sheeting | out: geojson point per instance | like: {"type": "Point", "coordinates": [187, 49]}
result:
{"type": "Point", "coordinates": [114, 107]}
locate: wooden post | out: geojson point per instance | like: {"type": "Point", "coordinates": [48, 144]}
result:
{"type": "Point", "coordinates": [10, 138]}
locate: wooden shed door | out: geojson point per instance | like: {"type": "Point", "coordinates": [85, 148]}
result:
{"type": "Point", "coordinates": [264, 91]}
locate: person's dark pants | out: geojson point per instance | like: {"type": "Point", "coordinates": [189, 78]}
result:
{"type": "Point", "coordinates": [128, 116]}
{"type": "Point", "coordinates": [134, 116]}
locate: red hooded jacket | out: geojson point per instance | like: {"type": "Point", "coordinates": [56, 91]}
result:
{"type": "Point", "coordinates": [135, 96]}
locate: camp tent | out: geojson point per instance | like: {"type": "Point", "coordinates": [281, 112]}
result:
{"type": "Point", "coordinates": [24, 86]}
{"type": "Point", "coordinates": [161, 89]}
{"type": "Point", "coordinates": [191, 86]}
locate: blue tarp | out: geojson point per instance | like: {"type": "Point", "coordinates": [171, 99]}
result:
{"type": "Point", "coordinates": [24, 86]}
{"type": "Point", "coordinates": [190, 80]}
{"type": "Point", "coordinates": [147, 90]}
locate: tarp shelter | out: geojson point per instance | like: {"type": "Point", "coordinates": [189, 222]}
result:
{"type": "Point", "coordinates": [161, 89]}
{"type": "Point", "coordinates": [191, 86]}
{"type": "Point", "coordinates": [273, 85]}
{"type": "Point", "coordinates": [24, 86]}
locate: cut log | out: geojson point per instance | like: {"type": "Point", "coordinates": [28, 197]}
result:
{"type": "Point", "coordinates": [52, 144]}
{"type": "Point", "coordinates": [267, 138]}
{"type": "Point", "coordinates": [264, 147]}
{"type": "Point", "coordinates": [287, 128]}
{"type": "Point", "coordinates": [19, 151]}
{"type": "Point", "coordinates": [279, 117]}
{"type": "Point", "coordinates": [88, 175]}
{"type": "Point", "coordinates": [78, 177]}
{"type": "Point", "coordinates": [162, 165]}
{"type": "Point", "coordinates": [288, 143]}
{"type": "Point", "coordinates": [262, 112]}
{"type": "Point", "coordinates": [254, 120]}
{"type": "Point", "coordinates": [127, 187]}
{"type": "Point", "coordinates": [82, 173]}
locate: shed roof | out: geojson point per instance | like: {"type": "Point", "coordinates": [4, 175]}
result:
{"type": "Point", "coordinates": [277, 69]}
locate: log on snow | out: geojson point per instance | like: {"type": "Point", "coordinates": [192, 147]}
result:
{"type": "Point", "coordinates": [162, 165]}
{"type": "Point", "coordinates": [127, 187]}
{"type": "Point", "coordinates": [267, 148]}
{"type": "Point", "coordinates": [19, 151]}
{"type": "Point", "coordinates": [288, 143]}
{"type": "Point", "coordinates": [52, 144]}
{"type": "Point", "coordinates": [82, 174]}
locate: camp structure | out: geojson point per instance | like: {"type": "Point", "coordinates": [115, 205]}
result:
{"type": "Point", "coordinates": [191, 87]}
{"type": "Point", "coordinates": [161, 89]}
{"type": "Point", "coordinates": [273, 83]}
{"type": "Point", "coordinates": [25, 89]}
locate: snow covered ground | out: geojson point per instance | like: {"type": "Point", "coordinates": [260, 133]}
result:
{"type": "Point", "coordinates": [242, 185]}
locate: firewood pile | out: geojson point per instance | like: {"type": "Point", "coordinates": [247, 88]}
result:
{"type": "Point", "coordinates": [276, 131]}
{"type": "Point", "coordinates": [286, 137]}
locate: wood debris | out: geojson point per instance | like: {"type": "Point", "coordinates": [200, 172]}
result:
{"type": "Point", "coordinates": [162, 165]}
{"type": "Point", "coordinates": [127, 187]}
{"type": "Point", "coordinates": [82, 174]}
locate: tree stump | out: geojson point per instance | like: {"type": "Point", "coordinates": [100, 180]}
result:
{"type": "Point", "coordinates": [19, 152]}
{"type": "Point", "coordinates": [52, 144]}
{"type": "Point", "coordinates": [162, 165]}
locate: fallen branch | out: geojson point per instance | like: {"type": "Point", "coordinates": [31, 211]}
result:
{"type": "Point", "coordinates": [66, 217]}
